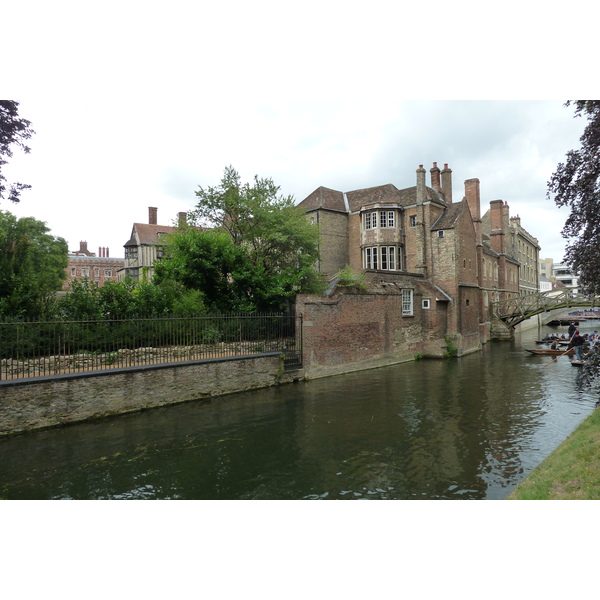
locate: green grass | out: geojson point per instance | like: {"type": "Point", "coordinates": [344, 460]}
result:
{"type": "Point", "coordinates": [571, 472]}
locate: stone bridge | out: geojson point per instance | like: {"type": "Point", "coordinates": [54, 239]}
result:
{"type": "Point", "coordinates": [515, 310]}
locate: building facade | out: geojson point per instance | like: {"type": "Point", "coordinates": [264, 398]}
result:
{"type": "Point", "coordinates": [98, 269]}
{"type": "Point", "coordinates": [146, 246]}
{"type": "Point", "coordinates": [564, 276]}
{"type": "Point", "coordinates": [423, 248]}
{"type": "Point", "coordinates": [518, 242]}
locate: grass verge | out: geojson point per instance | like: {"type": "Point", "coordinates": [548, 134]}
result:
{"type": "Point", "coordinates": [571, 472]}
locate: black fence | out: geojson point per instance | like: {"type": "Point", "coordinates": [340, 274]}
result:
{"type": "Point", "coordinates": [31, 349]}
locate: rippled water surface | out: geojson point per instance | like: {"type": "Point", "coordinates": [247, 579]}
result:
{"type": "Point", "coordinates": [470, 428]}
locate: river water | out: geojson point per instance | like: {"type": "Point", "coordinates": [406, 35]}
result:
{"type": "Point", "coordinates": [467, 428]}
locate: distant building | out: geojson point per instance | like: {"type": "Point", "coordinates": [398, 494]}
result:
{"type": "Point", "coordinates": [518, 244]}
{"type": "Point", "coordinates": [146, 245]}
{"type": "Point", "coordinates": [564, 275]}
{"type": "Point", "coordinates": [98, 269]}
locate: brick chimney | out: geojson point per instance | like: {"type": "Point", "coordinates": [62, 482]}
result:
{"type": "Point", "coordinates": [473, 197]}
{"type": "Point", "coordinates": [182, 219]}
{"type": "Point", "coordinates": [447, 183]}
{"type": "Point", "coordinates": [435, 178]}
{"type": "Point", "coordinates": [472, 194]}
{"type": "Point", "coordinates": [83, 249]}
{"type": "Point", "coordinates": [152, 215]}
{"type": "Point", "coordinates": [497, 226]}
{"type": "Point", "coordinates": [420, 185]}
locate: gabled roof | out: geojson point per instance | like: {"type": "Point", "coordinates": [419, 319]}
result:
{"type": "Point", "coordinates": [450, 217]}
{"type": "Point", "coordinates": [389, 194]}
{"type": "Point", "coordinates": [380, 195]}
{"type": "Point", "coordinates": [147, 234]}
{"type": "Point", "coordinates": [325, 198]}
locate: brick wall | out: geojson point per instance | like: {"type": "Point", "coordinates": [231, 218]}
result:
{"type": "Point", "coordinates": [352, 330]}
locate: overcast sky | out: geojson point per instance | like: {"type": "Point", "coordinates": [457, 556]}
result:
{"type": "Point", "coordinates": [136, 105]}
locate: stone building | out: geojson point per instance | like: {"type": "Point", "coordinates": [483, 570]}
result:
{"type": "Point", "coordinates": [432, 272]}
{"type": "Point", "coordinates": [146, 246]}
{"type": "Point", "coordinates": [518, 244]}
{"type": "Point", "coordinates": [99, 269]}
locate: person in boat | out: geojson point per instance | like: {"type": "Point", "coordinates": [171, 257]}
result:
{"type": "Point", "coordinates": [572, 329]}
{"type": "Point", "coordinates": [563, 337]}
{"type": "Point", "coordinates": [577, 343]}
{"type": "Point", "coordinates": [554, 345]}
{"type": "Point", "coordinates": [547, 338]}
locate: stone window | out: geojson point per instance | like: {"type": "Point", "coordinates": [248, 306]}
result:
{"type": "Point", "coordinates": [413, 221]}
{"type": "Point", "coordinates": [386, 258]}
{"type": "Point", "coordinates": [426, 303]}
{"type": "Point", "coordinates": [85, 272]}
{"type": "Point", "coordinates": [407, 303]}
{"type": "Point", "coordinates": [107, 272]}
{"type": "Point", "coordinates": [73, 271]}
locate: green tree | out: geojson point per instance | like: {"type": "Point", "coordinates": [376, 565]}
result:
{"type": "Point", "coordinates": [272, 248]}
{"type": "Point", "coordinates": [205, 261]}
{"type": "Point", "coordinates": [576, 184]}
{"type": "Point", "coordinates": [32, 266]}
{"type": "Point", "coordinates": [13, 132]}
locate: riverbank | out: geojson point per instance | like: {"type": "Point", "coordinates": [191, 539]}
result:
{"type": "Point", "coordinates": [571, 472]}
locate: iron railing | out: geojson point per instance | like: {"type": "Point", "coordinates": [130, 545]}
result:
{"type": "Point", "coordinates": [33, 349]}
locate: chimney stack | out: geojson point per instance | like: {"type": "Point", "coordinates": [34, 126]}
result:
{"type": "Point", "coordinates": [447, 183]}
{"type": "Point", "coordinates": [420, 185]}
{"type": "Point", "coordinates": [473, 197]}
{"type": "Point", "coordinates": [435, 177]}
{"type": "Point", "coordinates": [497, 211]}
{"type": "Point", "coordinates": [182, 219]}
{"type": "Point", "coordinates": [152, 215]}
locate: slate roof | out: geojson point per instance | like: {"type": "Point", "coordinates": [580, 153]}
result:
{"type": "Point", "coordinates": [325, 198]}
{"type": "Point", "coordinates": [148, 234]}
{"type": "Point", "coordinates": [450, 217]}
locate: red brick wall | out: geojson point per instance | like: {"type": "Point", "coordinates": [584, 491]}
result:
{"type": "Point", "coordinates": [352, 330]}
{"type": "Point", "coordinates": [96, 267]}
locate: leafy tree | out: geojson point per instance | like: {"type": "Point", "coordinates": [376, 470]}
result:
{"type": "Point", "coordinates": [13, 132]}
{"type": "Point", "coordinates": [205, 261]}
{"type": "Point", "coordinates": [271, 249]}
{"type": "Point", "coordinates": [576, 184]}
{"type": "Point", "coordinates": [32, 266]}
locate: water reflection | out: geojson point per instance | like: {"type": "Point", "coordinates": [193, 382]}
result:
{"type": "Point", "coordinates": [470, 428]}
